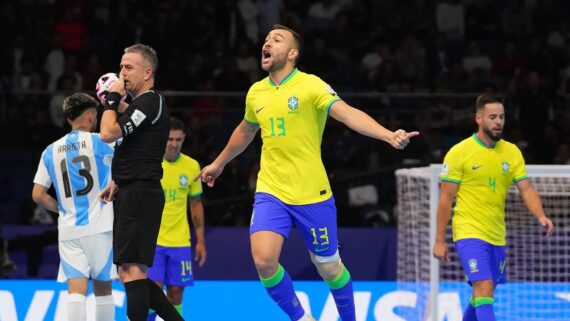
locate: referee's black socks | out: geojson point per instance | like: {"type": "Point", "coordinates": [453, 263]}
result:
{"type": "Point", "coordinates": [137, 299]}
{"type": "Point", "coordinates": [159, 303]}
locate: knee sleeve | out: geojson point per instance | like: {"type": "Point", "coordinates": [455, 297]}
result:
{"type": "Point", "coordinates": [328, 267]}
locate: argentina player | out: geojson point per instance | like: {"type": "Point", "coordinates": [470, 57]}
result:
{"type": "Point", "coordinates": [79, 165]}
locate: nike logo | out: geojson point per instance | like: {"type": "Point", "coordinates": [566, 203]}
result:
{"type": "Point", "coordinates": [258, 110]}
{"type": "Point", "coordinates": [111, 102]}
{"type": "Point", "coordinates": [185, 279]}
{"type": "Point", "coordinates": [320, 250]}
{"type": "Point", "coordinates": [475, 167]}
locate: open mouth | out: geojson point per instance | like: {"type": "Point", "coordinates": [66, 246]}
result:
{"type": "Point", "coordinates": [265, 55]}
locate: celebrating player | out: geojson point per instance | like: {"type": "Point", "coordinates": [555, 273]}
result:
{"type": "Point", "coordinates": [291, 108]}
{"type": "Point", "coordinates": [78, 165]}
{"type": "Point", "coordinates": [480, 170]}
{"type": "Point", "coordinates": [173, 258]}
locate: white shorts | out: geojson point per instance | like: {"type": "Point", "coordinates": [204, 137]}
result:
{"type": "Point", "coordinates": [87, 257]}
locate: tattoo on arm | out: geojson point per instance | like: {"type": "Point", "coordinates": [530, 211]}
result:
{"type": "Point", "coordinates": [252, 128]}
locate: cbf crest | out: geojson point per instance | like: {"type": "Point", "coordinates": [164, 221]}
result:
{"type": "Point", "coordinates": [473, 265]}
{"type": "Point", "coordinates": [183, 180]}
{"type": "Point", "coordinates": [505, 166]}
{"type": "Point", "coordinates": [293, 103]}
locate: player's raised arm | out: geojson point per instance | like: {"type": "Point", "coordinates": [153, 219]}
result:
{"type": "Point", "coordinates": [447, 193]}
{"type": "Point", "coordinates": [110, 128]}
{"type": "Point", "coordinates": [534, 205]}
{"type": "Point", "coordinates": [242, 136]}
{"type": "Point", "coordinates": [362, 123]}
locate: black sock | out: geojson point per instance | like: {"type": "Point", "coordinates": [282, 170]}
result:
{"type": "Point", "coordinates": [159, 303]}
{"type": "Point", "coordinates": [137, 300]}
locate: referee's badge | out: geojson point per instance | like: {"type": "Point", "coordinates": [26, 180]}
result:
{"type": "Point", "coordinates": [505, 167]}
{"type": "Point", "coordinates": [183, 180]}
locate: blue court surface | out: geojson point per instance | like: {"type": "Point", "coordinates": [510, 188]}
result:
{"type": "Point", "coordinates": [247, 300]}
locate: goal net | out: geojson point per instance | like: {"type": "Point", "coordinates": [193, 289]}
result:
{"type": "Point", "coordinates": [538, 269]}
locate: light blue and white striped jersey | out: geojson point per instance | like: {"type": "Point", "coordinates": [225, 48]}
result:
{"type": "Point", "coordinates": [79, 166]}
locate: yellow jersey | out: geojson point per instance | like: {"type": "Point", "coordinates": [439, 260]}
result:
{"type": "Point", "coordinates": [178, 184]}
{"type": "Point", "coordinates": [484, 176]}
{"type": "Point", "coordinates": [292, 118]}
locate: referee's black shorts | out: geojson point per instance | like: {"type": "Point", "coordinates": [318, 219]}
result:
{"type": "Point", "coordinates": [138, 210]}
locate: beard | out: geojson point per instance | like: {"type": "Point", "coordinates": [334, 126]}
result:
{"type": "Point", "coordinates": [278, 63]}
{"type": "Point", "coordinates": [493, 136]}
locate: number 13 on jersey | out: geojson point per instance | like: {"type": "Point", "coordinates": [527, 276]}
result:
{"type": "Point", "coordinates": [277, 126]}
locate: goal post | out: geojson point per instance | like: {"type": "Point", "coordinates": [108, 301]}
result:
{"type": "Point", "coordinates": [538, 269]}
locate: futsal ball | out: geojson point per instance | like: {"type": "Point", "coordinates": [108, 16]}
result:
{"type": "Point", "coordinates": [103, 85]}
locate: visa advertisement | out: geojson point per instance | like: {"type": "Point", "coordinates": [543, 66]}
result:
{"type": "Point", "coordinates": [35, 300]}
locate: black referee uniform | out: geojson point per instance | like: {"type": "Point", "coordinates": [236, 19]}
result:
{"type": "Point", "coordinates": [137, 171]}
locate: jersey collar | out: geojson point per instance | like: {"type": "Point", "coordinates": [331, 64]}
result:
{"type": "Point", "coordinates": [483, 144]}
{"type": "Point", "coordinates": [285, 80]}
{"type": "Point", "coordinates": [177, 159]}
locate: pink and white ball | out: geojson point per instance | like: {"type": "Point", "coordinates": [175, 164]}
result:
{"type": "Point", "coordinates": [103, 84]}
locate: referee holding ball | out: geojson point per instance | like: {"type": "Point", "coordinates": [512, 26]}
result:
{"type": "Point", "coordinates": [140, 130]}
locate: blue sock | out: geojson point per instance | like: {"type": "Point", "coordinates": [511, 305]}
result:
{"type": "Point", "coordinates": [469, 314]}
{"type": "Point", "coordinates": [341, 289]}
{"type": "Point", "coordinates": [484, 308]}
{"type": "Point", "coordinates": [280, 289]}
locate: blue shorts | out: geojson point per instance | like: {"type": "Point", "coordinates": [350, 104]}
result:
{"type": "Point", "coordinates": [482, 261]}
{"type": "Point", "coordinates": [172, 266]}
{"type": "Point", "coordinates": [316, 222]}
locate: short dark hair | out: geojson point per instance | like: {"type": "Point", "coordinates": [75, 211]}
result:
{"type": "Point", "coordinates": [148, 53]}
{"type": "Point", "coordinates": [296, 36]}
{"type": "Point", "coordinates": [76, 104]}
{"type": "Point", "coordinates": [485, 99]}
{"type": "Point", "coordinates": [176, 124]}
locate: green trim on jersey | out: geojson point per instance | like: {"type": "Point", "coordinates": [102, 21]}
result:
{"type": "Point", "coordinates": [450, 180]}
{"type": "Point", "coordinates": [481, 143]}
{"type": "Point", "coordinates": [522, 178]}
{"type": "Point", "coordinates": [250, 122]}
{"type": "Point", "coordinates": [329, 105]}
{"type": "Point", "coordinates": [285, 80]}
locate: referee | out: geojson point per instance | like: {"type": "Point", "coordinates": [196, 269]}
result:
{"type": "Point", "coordinates": [140, 130]}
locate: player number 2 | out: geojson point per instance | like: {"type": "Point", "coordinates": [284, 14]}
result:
{"type": "Point", "coordinates": [277, 124]}
{"type": "Point", "coordinates": [85, 172]}
{"type": "Point", "coordinates": [323, 235]}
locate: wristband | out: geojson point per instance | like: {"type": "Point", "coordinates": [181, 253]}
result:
{"type": "Point", "coordinates": [113, 101]}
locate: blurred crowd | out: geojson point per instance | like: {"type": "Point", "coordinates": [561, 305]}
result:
{"type": "Point", "coordinates": [430, 50]}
